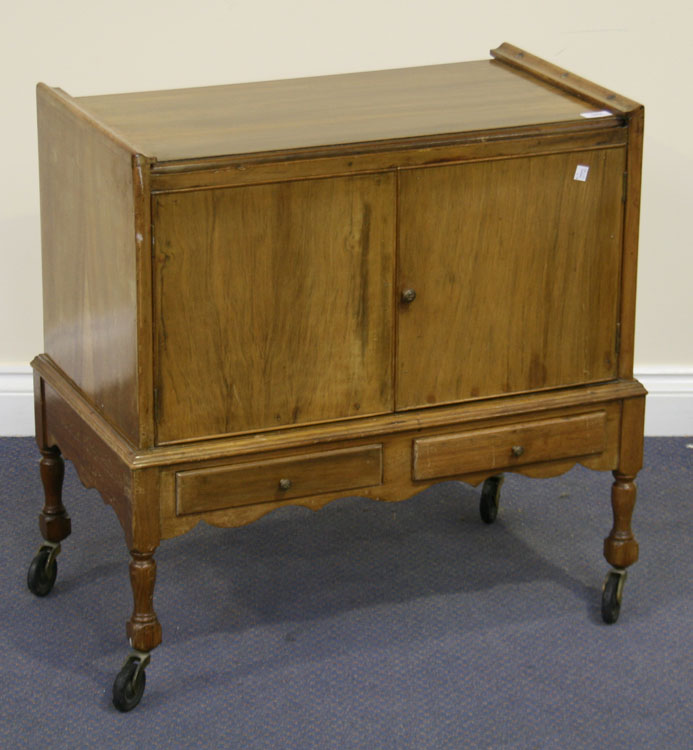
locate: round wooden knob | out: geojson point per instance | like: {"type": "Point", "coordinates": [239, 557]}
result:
{"type": "Point", "coordinates": [517, 450]}
{"type": "Point", "coordinates": [284, 484]}
{"type": "Point", "coordinates": [408, 295]}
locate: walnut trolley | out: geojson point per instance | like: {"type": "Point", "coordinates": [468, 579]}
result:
{"type": "Point", "coordinates": [279, 293]}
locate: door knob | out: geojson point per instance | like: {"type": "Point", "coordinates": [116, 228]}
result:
{"type": "Point", "coordinates": [408, 295]}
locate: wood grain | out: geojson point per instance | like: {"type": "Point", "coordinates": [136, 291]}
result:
{"type": "Point", "coordinates": [142, 628]}
{"type": "Point", "coordinates": [563, 79]}
{"type": "Point", "coordinates": [89, 260]}
{"type": "Point", "coordinates": [273, 305]}
{"type": "Point", "coordinates": [631, 229]}
{"type": "Point", "coordinates": [480, 145]}
{"type": "Point", "coordinates": [491, 449]}
{"type": "Point", "coordinates": [516, 267]}
{"type": "Point", "coordinates": [54, 523]}
{"type": "Point", "coordinates": [136, 494]}
{"type": "Point", "coordinates": [368, 429]}
{"type": "Point", "coordinates": [255, 482]}
{"type": "Point", "coordinates": [621, 548]}
{"type": "Point", "coordinates": [632, 432]}
{"type": "Point", "coordinates": [97, 464]}
{"type": "Point", "coordinates": [39, 409]}
{"type": "Point", "coordinates": [141, 177]}
{"type": "Point", "coordinates": [397, 481]}
{"type": "Point", "coordinates": [327, 110]}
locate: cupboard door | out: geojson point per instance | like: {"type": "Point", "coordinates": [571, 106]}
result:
{"type": "Point", "coordinates": [516, 268]}
{"type": "Point", "coordinates": [273, 305]}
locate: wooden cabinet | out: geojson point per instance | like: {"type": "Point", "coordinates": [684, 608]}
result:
{"type": "Point", "coordinates": [280, 293]}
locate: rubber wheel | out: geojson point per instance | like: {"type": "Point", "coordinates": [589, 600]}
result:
{"type": "Point", "coordinates": [490, 497]}
{"type": "Point", "coordinates": [611, 599]}
{"type": "Point", "coordinates": [126, 691]}
{"type": "Point", "coordinates": [41, 576]}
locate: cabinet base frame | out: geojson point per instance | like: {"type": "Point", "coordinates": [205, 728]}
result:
{"type": "Point", "coordinates": [140, 485]}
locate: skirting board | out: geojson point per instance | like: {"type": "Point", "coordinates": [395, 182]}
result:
{"type": "Point", "coordinates": [669, 404]}
{"type": "Point", "coordinates": [669, 408]}
{"type": "Point", "coordinates": [16, 401]}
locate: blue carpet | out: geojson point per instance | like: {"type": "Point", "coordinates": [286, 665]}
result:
{"type": "Point", "coordinates": [366, 625]}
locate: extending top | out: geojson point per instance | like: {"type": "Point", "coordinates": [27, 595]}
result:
{"type": "Point", "coordinates": [516, 90]}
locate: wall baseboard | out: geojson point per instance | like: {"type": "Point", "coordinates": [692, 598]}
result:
{"type": "Point", "coordinates": [669, 408]}
{"type": "Point", "coordinates": [16, 401]}
{"type": "Point", "coordinates": [669, 404]}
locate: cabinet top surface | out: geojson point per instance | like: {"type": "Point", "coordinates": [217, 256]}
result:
{"type": "Point", "coordinates": [198, 123]}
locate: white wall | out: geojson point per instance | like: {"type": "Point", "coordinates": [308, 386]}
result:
{"type": "Point", "coordinates": [642, 49]}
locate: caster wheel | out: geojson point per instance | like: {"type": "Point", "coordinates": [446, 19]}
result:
{"type": "Point", "coordinates": [128, 687]}
{"type": "Point", "coordinates": [490, 496]}
{"type": "Point", "coordinates": [612, 593]}
{"type": "Point", "coordinates": [42, 572]}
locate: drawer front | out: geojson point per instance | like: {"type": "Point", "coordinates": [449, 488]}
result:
{"type": "Point", "coordinates": [278, 479]}
{"type": "Point", "coordinates": [506, 447]}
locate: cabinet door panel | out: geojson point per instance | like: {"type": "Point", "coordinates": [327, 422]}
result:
{"type": "Point", "coordinates": [516, 267]}
{"type": "Point", "coordinates": [273, 305]}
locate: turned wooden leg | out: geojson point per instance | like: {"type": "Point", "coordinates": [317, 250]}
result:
{"type": "Point", "coordinates": [143, 628]}
{"type": "Point", "coordinates": [620, 547]}
{"type": "Point", "coordinates": [144, 632]}
{"type": "Point", "coordinates": [53, 521]}
{"type": "Point", "coordinates": [54, 524]}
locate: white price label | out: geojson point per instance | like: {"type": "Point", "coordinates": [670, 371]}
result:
{"type": "Point", "coordinates": [598, 113]}
{"type": "Point", "coordinates": [581, 173]}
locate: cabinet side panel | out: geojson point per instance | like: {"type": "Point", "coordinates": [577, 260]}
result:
{"type": "Point", "coordinates": [89, 260]}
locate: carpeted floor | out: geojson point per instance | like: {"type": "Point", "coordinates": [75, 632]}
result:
{"type": "Point", "coordinates": [366, 625]}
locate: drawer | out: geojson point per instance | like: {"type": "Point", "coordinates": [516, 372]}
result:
{"type": "Point", "coordinates": [273, 480]}
{"type": "Point", "coordinates": [509, 446]}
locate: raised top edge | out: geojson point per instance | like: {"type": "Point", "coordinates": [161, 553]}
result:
{"type": "Point", "coordinates": [565, 80]}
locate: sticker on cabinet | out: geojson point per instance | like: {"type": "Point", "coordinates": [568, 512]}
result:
{"type": "Point", "coordinates": [597, 113]}
{"type": "Point", "coordinates": [581, 173]}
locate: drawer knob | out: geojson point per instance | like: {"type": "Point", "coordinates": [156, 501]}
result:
{"type": "Point", "coordinates": [408, 295]}
{"type": "Point", "coordinates": [517, 450]}
{"type": "Point", "coordinates": [284, 484]}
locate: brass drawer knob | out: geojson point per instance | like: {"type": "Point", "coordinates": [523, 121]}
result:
{"type": "Point", "coordinates": [517, 450]}
{"type": "Point", "coordinates": [284, 484]}
{"type": "Point", "coordinates": [408, 295]}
